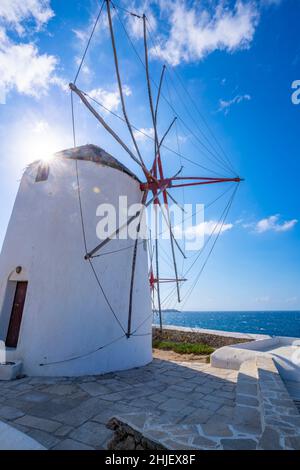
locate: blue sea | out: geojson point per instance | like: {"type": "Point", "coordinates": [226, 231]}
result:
{"type": "Point", "coordinates": [285, 323]}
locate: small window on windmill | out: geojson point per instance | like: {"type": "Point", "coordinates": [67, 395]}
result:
{"type": "Point", "coordinates": [42, 173]}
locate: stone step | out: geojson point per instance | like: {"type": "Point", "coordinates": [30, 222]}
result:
{"type": "Point", "coordinates": [281, 419]}
{"type": "Point", "coordinates": [247, 414]}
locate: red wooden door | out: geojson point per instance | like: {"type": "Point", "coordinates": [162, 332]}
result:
{"type": "Point", "coordinates": [16, 315]}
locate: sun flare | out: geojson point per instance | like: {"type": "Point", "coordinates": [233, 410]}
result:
{"type": "Point", "coordinates": [41, 143]}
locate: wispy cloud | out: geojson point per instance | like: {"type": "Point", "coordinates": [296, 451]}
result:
{"type": "Point", "coordinates": [268, 3]}
{"type": "Point", "coordinates": [273, 224]}
{"type": "Point", "coordinates": [143, 132]}
{"type": "Point", "coordinates": [109, 99]}
{"type": "Point", "coordinates": [23, 67]}
{"type": "Point", "coordinates": [135, 25]}
{"type": "Point", "coordinates": [196, 32]}
{"type": "Point", "coordinates": [226, 105]}
{"type": "Point", "coordinates": [263, 299]}
{"type": "Point", "coordinates": [291, 300]}
{"type": "Point", "coordinates": [206, 228]}
{"type": "Point", "coordinates": [15, 13]}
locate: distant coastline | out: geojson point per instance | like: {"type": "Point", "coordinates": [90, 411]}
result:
{"type": "Point", "coordinates": [226, 311]}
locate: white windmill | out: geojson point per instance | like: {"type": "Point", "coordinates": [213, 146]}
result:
{"type": "Point", "coordinates": [69, 304]}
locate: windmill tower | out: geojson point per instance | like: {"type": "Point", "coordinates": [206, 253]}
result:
{"type": "Point", "coordinates": [62, 314]}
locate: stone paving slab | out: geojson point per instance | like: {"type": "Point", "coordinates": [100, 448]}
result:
{"type": "Point", "coordinates": [93, 434]}
{"type": "Point", "coordinates": [191, 404]}
{"type": "Point", "coordinates": [70, 444]}
{"type": "Point", "coordinates": [65, 412]}
{"type": "Point", "coordinates": [251, 425]}
{"type": "Point", "coordinates": [38, 423]}
{"type": "Point", "coordinates": [9, 413]}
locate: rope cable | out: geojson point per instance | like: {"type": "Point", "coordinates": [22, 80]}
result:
{"type": "Point", "coordinates": [89, 42]}
{"type": "Point", "coordinates": [154, 82]}
{"type": "Point", "coordinates": [80, 356]}
{"type": "Point", "coordinates": [149, 136]}
{"type": "Point", "coordinates": [202, 208]}
{"type": "Point", "coordinates": [215, 154]}
{"type": "Point", "coordinates": [73, 120]}
{"type": "Point", "coordinates": [197, 109]}
{"type": "Point", "coordinates": [113, 43]}
{"type": "Point", "coordinates": [86, 249]}
{"type": "Point", "coordinates": [205, 244]}
{"type": "Point", "coordinates": [211, 250]}
{"type": "Point", "coordinates": [205, 121]}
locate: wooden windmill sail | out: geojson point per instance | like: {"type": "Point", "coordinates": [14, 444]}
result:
{"type": "Point", "coordinates": [157, 187]}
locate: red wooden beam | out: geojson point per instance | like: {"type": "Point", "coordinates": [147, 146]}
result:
{"type": "Point", "coordinates": [153, 280]}
{"type": "Point", "coordinates": [168, 182]}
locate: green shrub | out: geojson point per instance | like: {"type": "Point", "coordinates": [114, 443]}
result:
{"type": "Point", "coordinates": [183, 348]}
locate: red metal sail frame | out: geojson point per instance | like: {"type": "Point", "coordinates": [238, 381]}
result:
{"type": "Point", "coordinates": [158, 185]}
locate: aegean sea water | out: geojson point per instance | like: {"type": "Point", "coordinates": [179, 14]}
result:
{"type": "Point", "coordinates": [275, 323]}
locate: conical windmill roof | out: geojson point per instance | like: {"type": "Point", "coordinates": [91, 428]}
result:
{"type": "Point", "coordinates": [94, 154]}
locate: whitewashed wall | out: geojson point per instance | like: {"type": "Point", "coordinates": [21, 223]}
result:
{"type": "Point", "coordinates": [65, 313]}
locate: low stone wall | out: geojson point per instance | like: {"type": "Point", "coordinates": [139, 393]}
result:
{"type": "Point", "coordinates": [281, 420]}
{"type": "Point", "coordinates": [190, 335]}
{"type": "Point", "coordinates": [127, 438]}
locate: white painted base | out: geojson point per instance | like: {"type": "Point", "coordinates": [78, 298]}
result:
{"type": "Point", "coordinates": [10, 371]}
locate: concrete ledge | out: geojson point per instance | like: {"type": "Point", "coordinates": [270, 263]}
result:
{"type": "Point", "coordinates": [233, 356]}
{"type": "Point", "coordinates": [280, 347]}
{"type": "Point", "coordinates": [12, 439]}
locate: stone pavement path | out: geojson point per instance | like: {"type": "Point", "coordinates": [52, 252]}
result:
{"type": "Point", "coordinates": [71, 413]}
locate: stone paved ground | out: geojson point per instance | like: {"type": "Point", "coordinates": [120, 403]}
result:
{"type": "Point", "coordinates": [71, 413]}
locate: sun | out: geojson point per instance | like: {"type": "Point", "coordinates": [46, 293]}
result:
{"type": "Point", "coordinates": [41, 147]}
{"type": "Point", "coordinates": [41, 143]}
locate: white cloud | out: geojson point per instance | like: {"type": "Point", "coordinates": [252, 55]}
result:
{"type": "Point", "coordinates": [15, 12]}
{"type": "Point", "coordinates": [135, 25]}
{"type": "Point", "coordinates": [196, 32]}
{"type": "Point", "coordinates": [85, 69]}
{"type": "Point", "coordinates": [81, 35]}
{"type": "Point", "coordinates": [225, 105]}
{"type": "Point", "coordinates": [143, 132]}
{"type": "Point", "coordinates": [206, 228]}
{"type": "Point", "coordinates": [272, 224]}
{"type": "Point", "coordinates": [40, 126]}
{"type": "Point", "coordinates": [62, 83]}
{"type": "Point", "coordinates": [109, 99]}
{"type": "Point", "coordinates": [23, 68]}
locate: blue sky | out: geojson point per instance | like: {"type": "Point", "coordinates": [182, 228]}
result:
{"type": "Point", "coordinates": [237, 59]}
